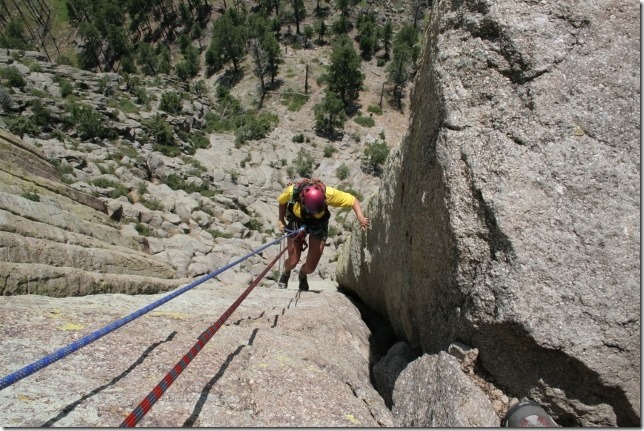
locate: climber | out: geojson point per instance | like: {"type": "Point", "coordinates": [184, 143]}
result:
{"type": "Point", "coordinates": [306, 204]}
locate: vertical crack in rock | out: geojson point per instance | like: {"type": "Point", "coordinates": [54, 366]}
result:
{"type": "Point", "coordinates": [499, 244]}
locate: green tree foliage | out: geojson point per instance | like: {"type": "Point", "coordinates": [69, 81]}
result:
{"type": "Point", "coordinates": [163, 59]}
{"type": "Point", "coordinates": [276, 6]}
{"type": "Point", "coordinates": [13, 76]}
{"type": "Point", "coordinates": [128, 64]}
{"type": "Point", "coordinates": [5, 99]}
{"type": "Point", "coordinates": [264, 48]}
{"type": "Point", "coordinates": [163, 136]}
{"type": "Point", "coordinates": [303, 163]}
{"type": "Point", "coordinates": [266, 7]}
{"type": "Point", "coordinates": [376, 154]}
{"type": "Point", "coordinates": [101, 26]}
{"type": "Point", "coordinates": [308, 34]}
{"type": "Point", "coordinates": [184, 42]}
{"type": "Point", "coordinates": [320, 29]}
{"type": "Point", "coordinates": [254, 125]}
{"type": "Point", "coordinates": [187, 18]}
{"type": "Point", "coordinates": [345, 78]}
{"type": "Point", "coordinates": [196, 32]}
{"type": "Point", "coordinates": [79, 11]}
{"type": "Point", "coordinates": [89, 57]}
{"type": "Point", "coordinates": [399, 70]}
{"type": "Point", "coordinates": [368, 33]}
{"type": "Point", "coordinates": [118, 41]}
{"type": "Point", "coordinates": [344, 6]}
{"type": "Point", "coordinates": [299, 13]}
{"type": "Point", "coordinates": [342, 172]}
{"type": "Point", "coordinates": [88, 122]}
{"type": "Point", "coordinates": [408, 35]}
{"type": "Point", "coordinates": [406, 52]}
{"type": "Point", "coordinates": [22, 125]}
{"type": "Point", "coordinates": [189, 67]}
{"type": "Point", "coordinates": [227, 110]}
{"type": "Point", "coordinates": [256, 26]}
{"type": "Point", "coordinates": [147, 59]}
{"type": "Point", "coordinates": [341, 25]}
{"type": "Point", "coordinates": [228, 42]}
{"type": "Point", "coordinates": [329, 114]}
{"type": "Point", "coordinates": [170, 102]}
{"type": "Point", "coordinates": [13, 36]}
{"type": "Point", "coordinates": [229, 115]}
{"type": "Point", "coordinates": [66, 87]}
{"type": "Point", "coordinates": [106, 28]}
{"type": "Point", "coordinates": [260, 65]}
{"type": "Point", "coordinates": [273, 54]}
{"type": "Point", "coordinates": [265, 52]}
{"type": "Point", "coordinates": [387, 34]}
{"type": "Point", "coordinates": [41, 115]}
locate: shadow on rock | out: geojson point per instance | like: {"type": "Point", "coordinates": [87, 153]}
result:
{"type": "Point", "coordinates": [190, 422]}
{"type": "Point", "coordinates": [70, 407]}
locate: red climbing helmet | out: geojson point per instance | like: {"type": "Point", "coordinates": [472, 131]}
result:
{"type": "Point", "coordinates": [312, 199]}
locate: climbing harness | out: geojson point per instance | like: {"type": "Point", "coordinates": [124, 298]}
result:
{"type": "Point", "coordinates": [71, 348]}
{"type": "Point", "coordinates": [300, 238]}
{"type": "Point", "coordinates": [156, 393]}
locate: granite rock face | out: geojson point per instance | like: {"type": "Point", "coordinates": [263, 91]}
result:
{"type": "Point", "coordinates": [282, 359]}
{"type": "Point", "coordinates": [508, 219]}
{"type": "Point", "coordinates": [432, 391]}
{"type": "Point", "coordinates": [59, 241]}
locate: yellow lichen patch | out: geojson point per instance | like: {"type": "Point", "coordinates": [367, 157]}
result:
{"type": "Point", "coordinates": [70, 327]}
{"type": "Point", "coordinates": [262, 365]}
{"type": "Point", "coordinates": [351, 419]}
{"type": "Point", "coordinates": [579, 131]}
{"type": "Point", "coordinates": [171, 315]}
{"type": "Point", "coordinates": [25, 397]}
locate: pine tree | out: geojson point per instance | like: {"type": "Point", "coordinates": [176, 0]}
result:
{"type": "Point", "coordinates": [345, 77]}
{"type": "Point", "coordinates": [387, 33]}
{"type": "Point", "coordinates": [398, 71]}
{"type": "Point", "coordinates": [228, 42]}
{"type": "Point", "coordinates": [299, 13]}
{"type": "Point", "coordinates": [329, 114]}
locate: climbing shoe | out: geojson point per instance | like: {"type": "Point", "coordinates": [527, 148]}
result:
{"type": "Point", "coordinates": [283, 281]}
{"type": "Point", "coordinates": [304, 284]}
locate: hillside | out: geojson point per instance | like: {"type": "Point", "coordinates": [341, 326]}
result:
{"type": "Point", "coordinates": [209, 123]}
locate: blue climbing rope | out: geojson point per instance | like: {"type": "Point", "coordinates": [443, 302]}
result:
{"type": "Point", "coordinates": [158, 391]}
{"type": "Point", "coordinates": [71, 348]}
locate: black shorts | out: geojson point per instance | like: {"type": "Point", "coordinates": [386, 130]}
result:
{"type": "Point", "coordinates": [317, 229]}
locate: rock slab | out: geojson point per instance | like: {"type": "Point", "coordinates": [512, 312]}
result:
{"type": "Point", "coordinates": [280, 360]}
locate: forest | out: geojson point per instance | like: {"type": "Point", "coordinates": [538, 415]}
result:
{"type": "Point", "coordinates": [194, 39]}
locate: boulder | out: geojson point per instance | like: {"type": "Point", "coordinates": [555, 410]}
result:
{"type": "Point", "coordinates": [387, 369]}
{"type": "Point", "coordinates": [509, 217]}
{"type": "Point", "coordinates": [433, 392]}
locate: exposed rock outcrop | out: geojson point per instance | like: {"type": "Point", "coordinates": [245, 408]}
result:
{"type": "Point", "coordinates": [433, 392]}
{"type": "Point", "coordinates": [508, 218]}
{"type": "Point", "coordinates": [56, 241]}
{"type": "Point", "coordinates": [281, 360]}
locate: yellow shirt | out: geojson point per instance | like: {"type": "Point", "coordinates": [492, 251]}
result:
{"type": "Point", "coordinates": [334, 198]}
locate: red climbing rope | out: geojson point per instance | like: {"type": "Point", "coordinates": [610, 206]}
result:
{"type": "Point", "coordinates": [156, 393]}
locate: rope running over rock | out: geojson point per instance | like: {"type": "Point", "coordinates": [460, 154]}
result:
{"type": "Point", "coordinates": [156, 393]}
{"type": "Point", "coordinates": [76, 345]}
